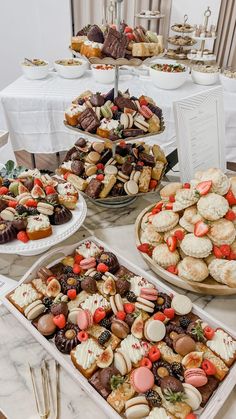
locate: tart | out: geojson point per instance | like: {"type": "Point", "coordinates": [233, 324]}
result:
{"type": "Point", "coordinates": [38, 227]}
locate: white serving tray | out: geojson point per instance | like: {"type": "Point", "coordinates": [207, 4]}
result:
{"type": "Point", "coordinates": [218, 398]}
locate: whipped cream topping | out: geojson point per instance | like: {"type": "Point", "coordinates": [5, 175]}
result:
{"type": "Point", "coordinates": [75, 110]}
{"type": "Point", "coordinates": [40, 285]}
{"type": "Point", "coordinates": [37, 222]}
{"type": "Point", "coordinates": [67, 165]}
{"type": "Point", "coordinates": [24, 295]}
{"type": "Point", "coordinates": [94, 301]}
{"type": "Point", "coordinates": [66, 189]}
{"type": "Point", "coordinates": [158, 413]}
{"type": "Point", "coordinates": [134, 348]}
{"type": "Point", "coordinates": [223, 345]}
{"type": "Point", "coordinates": [93, 44]}
{"type": "Point", "coordinates": [137, 282]}
{"type": "Point", "coordinates": [87, 352]}
{"type": "Point", "coordinates": [30, 172]}
{"type": "Point", "coordinates": [109, 124]}
{"type": "Point", "coordinates": [88, 249]}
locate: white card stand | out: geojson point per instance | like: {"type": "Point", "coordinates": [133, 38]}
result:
{"type": "Point", "coordinates": [200, 132]}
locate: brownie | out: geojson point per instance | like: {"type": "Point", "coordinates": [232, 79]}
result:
{"type": "Point", "coordinates": [77, 167]}
{"type": "Point", "coordinates": [95, 34]}
{"type": "Point", "coordinates": [94, 188]}
{"type": "Point", "coordinates": [123, 272]}
{"type": "Point", "coordinates": [89, 120]}
{"type": "Point", "coordinates": [96, 383]}
{"type": "Point", "coordinates": [97, 100]}
{"type": "Point", "coordinates": [106, 155]}
{"type": "Point", "coordinates": [124, 102]}
{"type": "Point", "coordinates": [132, 132]}
{"type": "Point", "coordinates": [207, 390]}
{"type": "Point", "coordinates": [147, 159]}
{"type": "Point", "coordinates": [155, 109]}
{"type": "Point", "coordinates": [115, 44]}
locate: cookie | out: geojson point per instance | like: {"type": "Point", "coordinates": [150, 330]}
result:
{"type": "Point", "coordinates": [131, 187]}
{"type": "Point", "coordinates": [184, 198]}
{"type": "Point", "coordinates": [163, 257]}
{"type": "Point", "coordinates": [222, 232]}
{"type": "Point", "coordinates": [192, 269]}
{"type": "Point", "coordinates": [144, 179]}
{"type": "Point", "coordinates": [109, 182]}
{"type": "Point", "coordinates": [198, 247]}
{"type": "Point", "coordinates": [150, 235]}
{"type": "Point", "coordinates": [212, 207]}
{"type": "Point", "coordinates": [165, 220]}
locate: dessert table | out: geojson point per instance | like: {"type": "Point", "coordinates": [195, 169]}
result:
{"type": "Point", "coordinates": [18, 347]}
{"type": "Point", "coordinates": [33, 110]}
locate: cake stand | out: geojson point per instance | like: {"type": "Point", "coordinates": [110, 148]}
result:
{"type": "Point", "coordinates": [182, 47]}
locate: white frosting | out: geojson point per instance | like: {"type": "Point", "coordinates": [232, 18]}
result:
{"type": "Point", "coordinates": [109, 124]}
{"type": "Point", "coordinates": [24, 295]}
{"type": "Point", "coordinates": [94, 301]}
{"type": "Point", "coordinates": [222, 344]}
{"type": "Point", "coordinates": [87, 352]}
{"type": "Point", "coordinates": [93, 44]}
{"type": "Point", "coordinates": [66, 165]}
{"type": "Point", "coordinates": [134, 348]}
{"type": "Point", "coordinates": [30, 172]}
{"type": "Point", "coordinates": [75, 110]}
{"type": "Point", "coordinates": [158, 413]}
{"type": "Point", "coordinates": [88, 249]}
{"type": "Point", "coordinates": [137, 282]}
{"type": "Point", "coordinates": [37, 222]}
{"type": "Point", "coordinates": [66, 189]}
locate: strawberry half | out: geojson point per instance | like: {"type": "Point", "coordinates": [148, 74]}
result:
{"type": "Point", "coordinates": [230, 197]}
{"type": "Point", "coordinates": [225, 250]}
{"type": "Point", "coordinates": [186, 185]}
{"type": "Point", "coordinates": [232, 256]}
{"type": "Point", "coordinates": [204, 187]}
{"type": "Point", "coordinates": [230, 215]}
{"type": "Point", "coordinates": [146, 248]}
{"type": "Point", "coordinates": [172, 269]}
{"type": "Point", "coordinates": [217, 252]}
{"type": "Point", "coordinates": [179, 234]}
{"type": "Point", "coordinates": [169, 206]}
{"type": "Point", "coordinates": [201, 229]}
{"type": "Point", "coordinates": [171, 243]}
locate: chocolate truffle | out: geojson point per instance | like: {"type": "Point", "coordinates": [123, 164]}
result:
{"type": "Point", "coordinates": [45, 325]}
{"type": "Point", "coordinates": [120, 328]}
{"type": "Point", "coordinates": [59, 308]}
{"type": "Point", "coordinates": [171, 383]}
{"type": "Point", "coordinates": [122, 286]}
{"type": "Point", "coordinates": [89, 285]}
{"type": "Point", "coordinates": [184, 344]}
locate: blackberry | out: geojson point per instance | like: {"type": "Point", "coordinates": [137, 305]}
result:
{"type": "Point", "coordinates": [6, 183]}
{"type": "Point", "coordinates": [105, 323]}
{"type": "Point", "coordinates": [21, 209]}
{"type": "Point", "coordinates": [178, 370]}
{"type": "Point", "coordinates": [184, 322]}
{"type": "Point", "coordinates": [32, 211]}
{"type": "Point", "coordinates": [131, 297]}
{"type": "Point", "coordinates": [47, 301]}
{"type": "Point", "coordinates": [68, 270]}
{"type": "Point", "coordinates": [104, 337]}
{"type": "Point", "coordinates": [153, 398]}
{"type": "Point", "coordinates": [98, 276]}
{"type": "Point", "coordinates": [117, 115]}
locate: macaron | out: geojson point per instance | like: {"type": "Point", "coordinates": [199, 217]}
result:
{"type": "Point", "coordinates": [45, 208]}
{"type": "Point", "coordinates": [193, 396]}
{"type": "Point", "coordinates": [122, 362]}
{"type": "Point", "coordinates": [88, 263]}
{"type": "Point", "coordinates": [90, 170]}
{"type": "Point", "coordinates": [181, 304]}
{"type": "Point", "coordinates": [136, 408]}
{"type": "Point", "coordinates": [154, 330]}
{"type": "Point", "coordinates": [120, 328]}
{"type": "Point", "coordinates": [142, 379]}
{"type": "Point", "coordinates": [196, 377]}
{"type": "Point", "coordinates": [72, 316]}
{"type": "Point", "coordinates": [98, 147]}
{"type": "Point", "coordinates": [111, 169]}
{"type": "Point", "coordinates": [122, 177]}
{"type": "Point", "coordinates": [149, 294]}
{"type": "Point", "coordinates": [34, 310]}
{"type": "Point", "coordinates": [93, 157]}
{"type": "Point", "coordinates": [135, 175]}
{"type": "Point", "coordinates": [131, 187]}
{"type": "Point", "coordinates": [84, 319]}
{"type": "Point", "coordinates": [145, 305]}
{"type": "Point", "coordinates": [116, 303]}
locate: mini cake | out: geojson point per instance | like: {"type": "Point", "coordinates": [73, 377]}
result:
{"type": "Point", "coordinates": [7, 232]}
{"type": "Point", "coordinates": [66, 339]}
{"type": "Point", "coordinates": [72, 114]}
{"type": "Point", "coordinates": [38, 227]}
{"type": "Point", "coordinates": [61, 215]}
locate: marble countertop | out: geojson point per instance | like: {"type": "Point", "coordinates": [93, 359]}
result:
{"type": "Point", "coordinates": [114, 227]}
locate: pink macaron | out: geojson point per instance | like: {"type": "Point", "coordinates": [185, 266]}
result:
{"type": "Point", "coordinates": [196, 377]}
{"type": "Point", "coordinates": [84, 319]}
{"type": "Point", "coordinates": [142, 379]}
{"type": "Point", "coordinates": [149, 294]}
{"type": "Point", "coordinates": [146, 112]}
{"type": "Point", "coordinates": [88, 263]}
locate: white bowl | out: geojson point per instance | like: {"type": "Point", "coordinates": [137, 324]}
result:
{"type": "Point", "coordinates": [204, 78]}
{"type": "Point", "coordinates": [103, 76]}
{"type": "Point", "coordinates": [71, 71]}
{"type": "Point", "coordinates": [35, 72]}
{"type": "Point", "coordinates": [228, 83]}
{"type": "Point", "coordinates": [168, 81]}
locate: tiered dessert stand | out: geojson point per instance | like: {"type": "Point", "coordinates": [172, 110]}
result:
{"type": "Point", "coordinates": [182, 49]}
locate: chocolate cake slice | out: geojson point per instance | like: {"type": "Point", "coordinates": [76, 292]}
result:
{"type": "Point", "coordinates": [95, 34]}
{"type": "Point", "coordinates": [88, 120]}
{"type": "Point", "coordinates": [115, 44]}
{"type": "Point", "coordinates": [94, 188]}
{"type": "Point", "coordinates": [124, 102]}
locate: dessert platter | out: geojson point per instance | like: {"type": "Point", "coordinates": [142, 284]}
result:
{"type": "Point", "coordinates": [135, 347]}
{"type": "Point", "coordinates": [37, 211]}
{"type": "Point", "coordinates": [189, 237]}
{"type": "Point", "coordinates": [149, 14]}
{"type": "Point", "coordinates": [106, 177]}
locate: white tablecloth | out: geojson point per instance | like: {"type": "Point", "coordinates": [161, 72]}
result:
{"type": "Point", "coordinates": [33, 111]}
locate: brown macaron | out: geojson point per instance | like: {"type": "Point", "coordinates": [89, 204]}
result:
{"type": "Point", "coordinates": [184, 344]}
{"type": "Point", "coordinates": [120, 328]}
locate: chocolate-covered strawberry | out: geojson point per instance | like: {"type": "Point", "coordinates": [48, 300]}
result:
{"type": "Point", "coordinates": [59, 308]}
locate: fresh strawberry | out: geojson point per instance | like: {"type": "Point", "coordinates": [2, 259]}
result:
{"type": "Point", "coordinates": [22, 236]}
{"type": "Point", "coordinates": [121, 315]}
{"type": "Point", "coordinates": [204, 187]}
{"type": "Point", "coordinates": [154, 353]}
{"type": "Point", "coordinates": [145, 248]}
{"type": "Point", "coordinates": [169, 206]}
{"type": "Point", "coordinates": [208, 367]}
{"type": "Point", "coordinates": [71, 294]}
{"type": "Point", "coordinates": [232, 255]}
{"type": "Point", "coordinates": [78, 258]}
{"type": "Point", "coordinates": [76, 269]}
{"type": "Point", "coordinates": [145, 362]}
{"type": "Point", "coordinates": [159, 205]}
{"type": "Point", "coordinates": [201, 229]}
{"type": "Point", "coordinates": [171, 243]}
{"type": "Point", "coordinates": [100, 177]}
{"type": "Point", "coordinates": [130, 36]}
{"type": "Point", "coordinates": [31, 203]}
{"type": "Point", "coordinates": [66, 175]}
{"type": "Point", "coordinates": [140, 163]}
{"type": "Point", "coordinates": [4, 190]}
{"type": "Point", "coordinates": [159, 316]}
{"type": "Point", "coordinates": [143, 102]}
{"type": "Point", "coordinates": [153, 184]}
{"type": "Point", "coordinates": [12, 204]}
{"type": "Point", "coordinates": [128, 29]}
{"type": "Point", "coordinates": [122, 144]}
{"type": "Point", "coordinates": [186, 185]}
{"type": "Point", "coordinates": [208, 332]}
{"type": "Point", "coordinates": [82, 336]}
{"type": "Point", "coordinates": [129, 307]}
{"type": "Point", "coordinates": [50, 278]}
{"type": "Point", "coordinates": [102, 268]}
{"type": "Point", "coordinates": [171, 198]}
{"type": "Point", "coordinates": [217, 252]}
{"type": "Point", "coordinates": [59, 321]}
{"type": "Point", "coordinates": [155, 211]}
{"type": "Point", "coordinates": [50, 190]}
{"type": "Point", "coordinates": [100, 166]}
{"type": "Point", "coordinates": [169, 312]}
{"type": "Point", "coordinates": [179, 234]}
{"type": "Point", "coordinates": [230, 197]}
{"type": "Point", "coordinates": [225, 250]}
{"type": "Point", "coordinates": [38, 182]}
{"type": "Point", "coordinates": [99, 314]}
{"type": "Point", "coordinates": [172, 269]}
{"type": "Point", "coordinates": [230, 215]}
{"type": "Point", "coordinates": [191, 416]}
{"type": "Point", "coordinates": [114, 108]}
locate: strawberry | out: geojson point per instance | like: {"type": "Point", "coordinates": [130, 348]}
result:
{"type": "Point", "coordinates": [129, 307]}
{"type": "Point", "coordinates": [38, 182]}
{"type": "Point", "coordinates": [191, 416]}
{"type": "Point", "coordinates": [121, 315]}
{"type": "Point", "coordinates": [159, 316]}
{"type": "Point", "coordinates": [217, 252]}
{"type": "Point", "coordinates": [71, 294]}
{"type": "Point", "coordinates": [208, 332]}
{"type": "Point", "coordinates": [230, 197]}
{"type": "Point", "coordinates": [171, 243]}
{"type": "Point", "coordinates": [22, 236]}
{"type": "Point", "coordinates": [76, 268]}
{"type": "Point", "coordinates": [201, 229]}
{"type": "Point", "coordinates": [225, 250]}
{"type": "Point", "coordinates": [59, 321]}
{"type": "Point", "coordinates": [100, 177]}
{"type": "Point", "coordinates": [145, 248]}
{"type": "Point", "coordinates": [140, 163]}
{"type": "Point", "coordinates": [145, 362]}
{"type": "Point", "coordinates": [102, 268]}
{"type": "Point", "coordinates": [154, 353]}
{"type": "Point", "coordinates": [78, 258]}
{"type": "Point", "coordinates": [128, 29]}
{"type": "Point", "coordinates": [159, 205]}
{"type": "Point", "coordinates": [99, 314]}
{"type": "Point", "coordinates": [12, 204]}
{"type": "Point", "coordinates": [82, 336]}
{"type": "Point", "coordinates": [100, 166]}
{"type": "Point", "coordinates": [232, 255]}
{"type": "Point", "coordinates": [130, 36]}
{"type": "Point", "coordinates": [169, 206]}
{"type": "Point", "coordinates": [171, 198]}
{"type": "Point", "coordinates": [4, 190]}
{"type": "Point", "coordinates": [169, 312]}
{"type": "Point", "coordinates": [143, 102]}
{"type": "Point", "coordinates": [66, 175]}
{"type": "Point", "coordinates": [179, 234]}
{"type": "Point", "coordinates": [114, 108]}
{"type": "Point", "coordinates": [155, 211]}
{"type": "Point", "coordinates": [230, 215]}
{"type": "Point", "coordinates": [50, 278]}
{"type": "Point", "coordinates": [122, 144]}
{"type": "Point", "coordinates": [172, 269]}
{"type": "Point", "coordinates": [208, 367]}
{"type": "Point", "coordinates": [186, 185]}
{"type": "Point", "coordinates": [31, 203]}
{"type": "Point", "coordinates": [204, 187]}
{"type": "Point", "coordinates": [153, 184]}
{"type": "Point", "coordinates": [49, 190]}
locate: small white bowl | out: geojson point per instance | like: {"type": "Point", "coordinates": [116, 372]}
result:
{"type": "Point", "coordinates": [103, 76]}
{"type": "Point", "coordinates": [168, 81]}
{"type": "Point", "coordinates": [35, 72]}
{"type": "Point", "coordinates": [71, 71]}
{"type": "Point", "coordinates": [205, 79]}
{"type": "Point", "coordinates": [228, 83]}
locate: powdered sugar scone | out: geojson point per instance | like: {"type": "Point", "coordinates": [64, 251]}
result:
{"type": "Point", "coordinates": [233, 184]}
{"type": "Point", "coordinates": [172, 232]}
{"type": "Point", "coordinates": [224, 272]}
{"type": "Point", "coordinates": [215, 268]}
{"type": "Point", "coordinates": [209, 259]}
{"type": "Point", "coordinates": [185, 198]}
{"type": "Point", "coordinates": [170, 189]}
{"type": "Point", "coordinates": [165, 220]}
{"type": "Point", "coordinates": [146, 220]}
{"type": "Point", "coordinates": [222, 232]}
{"type": "Point", "coordinates": [212, 207]}
{"type": "Point", "coordinates": [192, 215]}
{"type": "Point", "coordinates": [197, 247]}
{"type": "Point", "coordinates": [233, 208]}
{"type": "Point", "coordinates": [192, 269]}
{"type": "Point", "coordinates": [186, 225]}
{"type": "Point", "coordinates": [150, 235]}
{"type": "Point", "coordinates": [163, 257]}
{"type": "Point", "coordinates": [220, 182]}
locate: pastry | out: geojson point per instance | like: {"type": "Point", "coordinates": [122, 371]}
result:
{"type": "Point", "coordinates": [72, 114]}
{"type": "Point", "coordinates": [212, 207]}
{"type": "Point", "coordinates": [220, 182]}
{"type": "Point", "coordinates": [144, 179]}
{"type": "Point", "coordinates": [221, 367]}
{"type": "Point", "coordinates": [91, 49]}
{"type": "Point", "coordinates": [66, 339]}
{"type": "Point", "coordinates": [165, 220]}
{"type": "Point", "coordinates": [186, 225]}
{"type": "Point", "coordinates": [192, 269]}
{"type": "Point", "coordinates": [7, 232]}
{"type": "Point", "coordinates": [178, 409]}
{"type": "Point", "coordinates": [110, 260]}
{"type": "Point", "coordinates": [151, 235]}
{"type": "Point", "coordinates": [34, 310]}
{"type": "Point", "coordinates": [163, 257]}
{"type": "Point", "coordinates": [191, 215]}
{"type": "Point", "coordinates": [198, 247]}
{"type": "Point", "coordinates": [94, 188]}
{"type": "Point", "coordinates": [224, 346]}
{"type": "Point", "coordinates": [222, 232]}
{"type": "Point", "coordinates": [109, 181]}
{"type": "Point", "coordinates": [84, 356]}
{"type": "Point", "coordinates": [196, 377]}
{"type": "Point", "coordinates": [115, 44]}
{"type": "Point", "coordinates": [24, 295]}
{"type": "Point", "coordinates": [40, 285]}
{"type": "Point", "coordinates": [184, 198]}
{"type": "Point", "coordinates": [121, 392]}
{"type": "Point", "coordinates": [207, 390]}
{"type": "Point", "coordinates": [38, 227]}
{"type": "Point", "coordinates": [77, 42]}
{"type": "Point", "coordinates": [89, 120]}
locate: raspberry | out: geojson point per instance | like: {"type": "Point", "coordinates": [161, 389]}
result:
{"type": "Point", "coordinates": [100, 166]}
{"type": "Point", "coordinates": [76, 268]}
{"type": "Point", "coordinates": [31, 203]}
{"type": "Point", "coordinates": [121, 315]}
{"type": "Point", "coordinates": [71, 293]}
{"type": "Point", "coordinates": [49, 190]}
{"type": "Point", "coordinates": [99, 314]}
{"type": "Point", "coordinates": [12, 204]}
{"type": "Point", "coordinates": [100, 177]}
{"type": "Point", "coordinates": [102, 268]}
{"type": "Point", "coordinates": [159, 316]}
{"type": "Point", "coordinates": [22, 236]}
{"type": "Point", "coordinates": [82, 336]}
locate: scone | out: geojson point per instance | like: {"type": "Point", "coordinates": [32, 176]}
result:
{"type": "Point", "coordinates": [212, 207]}
{"type": "Point", "coordinates": [215, 268]}
{"type": "Point", "coordinates": [223, 271]}
{"type": "Point", "coordinates": [192, 269]}
{"type": "Point", "coordinates": [186, 225]}
{"type": "Point", "coordinates": [192, 215]}
{"type": "Point", "coordinates": [222, 232]}
{"type": "Point", "coordinates": [165, 220]}
{"type": "Point", "coordinates": [84, 356]}
{"type": "Point", "coordinates": [197, 247]}
{"type": "Point", "coordinates": [150, 235]}
{"type": "Point", "coordinates": [163, 257]}
{"type": "Point", "coordinates": [170, 189]}
{"type": "Point", "coordinates": [220, 182]}
{"type": "Point", "coordinates": [185, 198]}
{"type": "Point", "coordinates": [146, 220]}
{"type": "Point", "coordinates": [171, 232]}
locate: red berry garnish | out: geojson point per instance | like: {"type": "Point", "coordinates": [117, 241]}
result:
{"type": "Point", "coordinates": [169, 312]}
{"type": "Point", "coordinates": [230, 215]}
{"type": "Point", "coordinates": [122, 144]}
{"type": "Point", "coordinates": [208, 332]}
{"type": "Point", "coordinates": [146, 248]}
{"type": "Point", "coordinates": [230, 198]}
{"type": "Point", "coordinates": [225, 250]}
{"type": "Point", "coordinates": [100, 177]}
{"type": "Point", "coordinates": [172, 269]}
{"type": "Point", "coordinates": [201, 229]}
{"type": "Point", "coordinates": [82, 336]}
{"type": "Point", "coordinates": [128, 29]}
{"type": "Point", "coordinates": [186, 185]}
{"type": "Point", "coordinates": [129, 307]}
{"type": "Point", "coordinates": [49, 190]}
{"type": "Point", "coordinates": [159, 316]}
{"type": "Point", "coordinates": [4, 190]}
{"type": "Point", "coordinates": [76, 269]}
{"type": "Point", "coordinates": [50, 278]}
{"type": "Point", "coordinates": [169, 206]}
{"type": "Point", "coordinates": [143, 102]}
{"type": "Point", "coordinates": [153, 184]}
{"type": "Point", "coordinates": [179, 234]}
{"type": "Point", "coordinates": [208, 367]}
{"type": "Point", "coordinates": [66, 175]}
{"type": "Point", "coordinates": [38, 182]}
{"type": "Point", "coordinates": [22, 236]}
{"type": "Point", "coordinates": [59, 321]}
{"type": "Point", "coordinates": [159, 205]}
{"type": "Point", "coordinates": [99, 314]}
{"type": "Point", "coordinates": [155, 211]}
{"type": "Point", "coordinates": [101, 267]}
{"type": "Point", "coordinates": [232, 255]}
{"type": "Point", "coordinates": [71, 294]}
{"type": "Point", "coordinates": [121, 315]}
{"type": "Point", "coordinates": [204, 187]}
{"type": "Point", "coordinates": [171, 243]}
{"type": "Point", "coordinates": [154, 353]}
{"type": "Point", "coordinates": [145, 362]}
{"type": "Point", "coordinates": [217, 252]}
{"type": "Point", "coordinates": [100, 166]}
{"type": "Point", "coordinates": [31, 203]}
{"type": "Point", "coordinates": [78, 258]}
{"type": "Point", "coordinates": [12, 204]}
{"type": "Point", "coordinates": [114, 108]}
{"type": "Point", "coordinates": [191, 416]}
{"type": "Point", "coordinates": [171, 198]}
{"type": "Point", "coordinates": [140, 163]}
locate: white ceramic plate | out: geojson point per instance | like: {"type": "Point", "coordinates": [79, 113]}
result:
{"type": "Point", "coordinates": [60, 233]}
